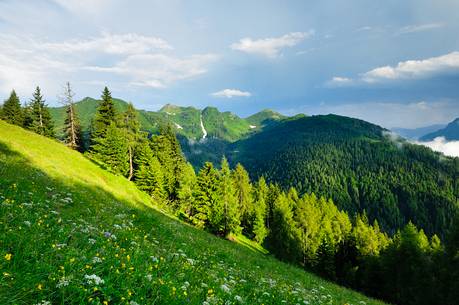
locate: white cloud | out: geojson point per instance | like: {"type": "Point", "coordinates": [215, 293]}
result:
{"type": "Point", "coordinates": [448, 148]}
{"type": "Point", "coordinates": [270, 47]}
{"type": "Point", "coordinates": [406, 70]}
{"type": "Point", "coordinates": [419, 28]}
{"type": "Point", "coordinates": [158, 70]}
{"type": "Point", "coordinates": [338, 81]}
{"type": "Point", "coordinates": [129, 60]}
{"type": "Point", "coordinates": [229, 93]}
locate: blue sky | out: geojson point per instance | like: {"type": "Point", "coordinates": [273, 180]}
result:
{"type": "Point", "coordinates": [394, 63]}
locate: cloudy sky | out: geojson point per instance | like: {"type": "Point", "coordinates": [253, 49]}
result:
{"type": "Point", "coordinates": [394, 63]}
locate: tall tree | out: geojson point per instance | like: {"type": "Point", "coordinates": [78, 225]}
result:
{"type": "Point", "coordinates": [131, 127]}
{"type": "Point", "coordinates": [73, 136]}
{"type": "Point", "coordinates": [231, 215]}
{"type": "Point", "coordinates": [206, 195]}
{"type": "Point", "coordinates": [261, 210]}
{"type": "Point", "coordinates": [11, 110]}
{"type": "Point", "coordinates": [105, 115]}
{"type": "Point", "coordinates": [243, 189]}
{"type": "Point", "coordinates": [112, 150]}
{"type": "Point", "coordinates": [41, 121]}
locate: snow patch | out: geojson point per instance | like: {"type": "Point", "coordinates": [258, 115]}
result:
{"type": "Point", "coordinates": [252, 126]}
{"type": "Point", "coordinates": [204, 132]}
{"type": "Point", "coordinates": [178, 126]}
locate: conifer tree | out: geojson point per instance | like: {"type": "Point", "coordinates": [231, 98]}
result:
{"type": "Point", "coordinates": [261, 210]}
{"type": "Point", "coordinates": [41, 121]}
{"type": "Point", "coordinates": [206, 195]}
{"type": "Point", "coordinates": [148, 174]}
{"type": "Point", "coordinates": [131, 127]}
{"type": "Point", "coordinates": [243, 189]}
{"type": "Point", "coordinates": [187, 184]}
{"type": "Point", "coordinates": [73, 136]}
{"type": "Point", "coordinates": [11, 110]}
{"type": "Point", "coordinates": [231, 215]}
{"type": "Point", "coordinates": [105, 115]}
{"type": "Point", "coordinates": [112, 150]}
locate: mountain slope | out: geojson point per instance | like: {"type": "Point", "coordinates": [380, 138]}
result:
{"type": "Point", "coordinates": [357, 165]}
{"type": "Point", "coordinates": [72, 233]}
{"type": "Point", "coordinates": [416, 133]}
{"type": "Point", "coordinates": [450, 132]}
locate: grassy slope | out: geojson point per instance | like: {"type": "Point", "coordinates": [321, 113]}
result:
{"type": "Point", "coordinates": [56, 208]}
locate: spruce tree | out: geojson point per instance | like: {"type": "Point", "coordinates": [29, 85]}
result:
{"type": "Point", "coordinates": [148, 174]}
{"type": "Point", "coordinates": [41, 121]}
{"type": "Point", "coordinates": [112, 150]}
{"type": "Point", "coordinates": [187, 184]}
{"type": "Point", "coordinates": [73, 136]}
{"type": "Point", "coordinates": [206, 195]}
{"type": "Point", "coordinates": [229, 204]}
{"type": "Point", "coordinates": [131, 127]}
{"type": "Point", "coordinates": [11, 110]}
{"type": "Point", "coordinates": [105, 115]}
{"type": "Point", "coordinates": [243, 189]}
{"type": "Point", "coordinates": [261, 209]}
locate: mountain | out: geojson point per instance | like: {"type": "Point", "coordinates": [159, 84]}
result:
{"type": "Point", "coordinates": [359, 166]}
{"type": "Point", "coordinates": [450, 132]}
{"type": "Point", "coordinates": [73, 233]}
{"type": "Point", "coordinates": [204, 134]}
{"type": "Point", "coordinates": [416, 133]}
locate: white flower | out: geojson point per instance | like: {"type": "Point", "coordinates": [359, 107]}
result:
{"type": "Point", "coordinates": [133, 303]}
{"type": "Point", "coordinates": [44, 303]}
{"type": "Point", "coordinates": [149, 277]}
{"type": "Point", "coordinates": [93, 279]}
{"type": "Point", "coordinates": [27, 223]}
{"type": "Point", "coordinates": [96, 259]}
{"type": "Point", "coordinates": [238, 299]}
{"type": "Point", "coordinates": [63, 282]}
{"type": "Point", "coordinates": [91, 241]}
{"type": "Point", "coordinates": [225, 288]}
{"type": "Point", "coordinates": [154, 259]}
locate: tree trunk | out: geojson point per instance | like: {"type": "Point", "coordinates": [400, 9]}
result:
{"type": "Point", "coordinates": [131, 168]}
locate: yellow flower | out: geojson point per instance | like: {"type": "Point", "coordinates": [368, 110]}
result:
{"type": "Point", "coordinates": [8, 256]}
{"type": "Point", "coordinates": [128, 257]}
{"type": "Point", "coordinates": [72, 260]}
{"type": "Point", "coordinates": [129, 292]}
{"type": "Point", "coordinates": [105, 303]}
{"type": "Point", "coordinates": [40, 286]}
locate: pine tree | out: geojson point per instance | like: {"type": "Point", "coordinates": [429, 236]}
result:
{"type": "Point", "coordinates": [41, 121]}
{"type": "Point", "coordinates": [261, 210]}
{"type": "Point", "coordinates": [187, 184]}
{"type": "Point", "coordinates": [112, 150]}
{"type": "Point", "coordinates": [73, 136]}
{"type": "Point", "coordinates": [148, 174]}
{"type": "Point", "coordinates": [131, 127]}
{"type": "Point", "coordinates": [243, 189]}
{"type": "Point", "coordinates": [11, 110]}
{"type": "Point", "coordinates": [105, 115]}
{"type": "Point", "coordinates": [206, 195]}
{"type": "Point", "coordinates": [231, 215]}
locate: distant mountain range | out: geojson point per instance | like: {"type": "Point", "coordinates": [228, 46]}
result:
{"type": "Point", "coordinates": [190, 122]}
{"type": "Point", "coordinates": [417, 133]}
{"type": "Point", "coordinates": [450, 132]}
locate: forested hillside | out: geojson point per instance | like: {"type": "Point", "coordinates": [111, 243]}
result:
{"type": "Point", "coordinates": [358, 164]}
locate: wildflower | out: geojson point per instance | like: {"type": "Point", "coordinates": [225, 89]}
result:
{"type": "Point", "coordinates": [225, 288]}
{"type": "Point", "coordinates": [39, 286]}
{"type": "Point", "coordinates": [93, 279]}
{"type": "Point", "coordinates": [133, 303]}
{"type": "Point", "coordinates": [44, 303]}
{"type": "Point", "coordinates": [238, 298]}
{"type": "Point", "coordinates": [154, 259]}
{"type": "Point", "coordinates": [91, 241]}
{"type": "Point", "coordinates": [96, 259]}
{"type": "Point", "coordinates": [8, 256]}
{"type": "Point", "coordinates": [149, 277]}
{"type": "Point", "coordinates": [107, 234]}
{"type": "Point", "coordinates": [63, 282]}
{"type": "Point", "coordinates": [27, 223]}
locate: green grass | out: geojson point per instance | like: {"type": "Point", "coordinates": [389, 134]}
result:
{"type": "Point", "coordinates": [65, 224]}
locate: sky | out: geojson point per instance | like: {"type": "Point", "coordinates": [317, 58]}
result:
{"type": "Point", "coordinates": [394, 63]}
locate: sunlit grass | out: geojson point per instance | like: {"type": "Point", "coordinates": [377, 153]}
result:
{"type": "Point", "coordinates": [71, 233]}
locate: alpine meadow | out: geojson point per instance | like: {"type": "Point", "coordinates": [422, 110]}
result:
{"type": "Point", "coordinates": [201, 152]}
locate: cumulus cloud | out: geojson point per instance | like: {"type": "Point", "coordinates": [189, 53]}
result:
{"type": "Point", "coordinates": [440, 144]}
{"type": "Point", "coordinates": [229, 93]}
{"type": "Point", "coordinates": [419, 28]}
{"type": "Point", "coordinates": [129, 59]}
{"type": "Point", "coordinates": [270, 47]}
{"type": "Point", "coordinates": [406, 70]}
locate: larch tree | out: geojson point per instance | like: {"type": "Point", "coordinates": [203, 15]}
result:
{"type": "Point", "coordinates": [11, 110]}
{"type": "Point", "coordinates": [73, 136]}
{"type": "Point", "coordinates": [243, 189]}
{"type": "Point", "coordinates": [231, 215]}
